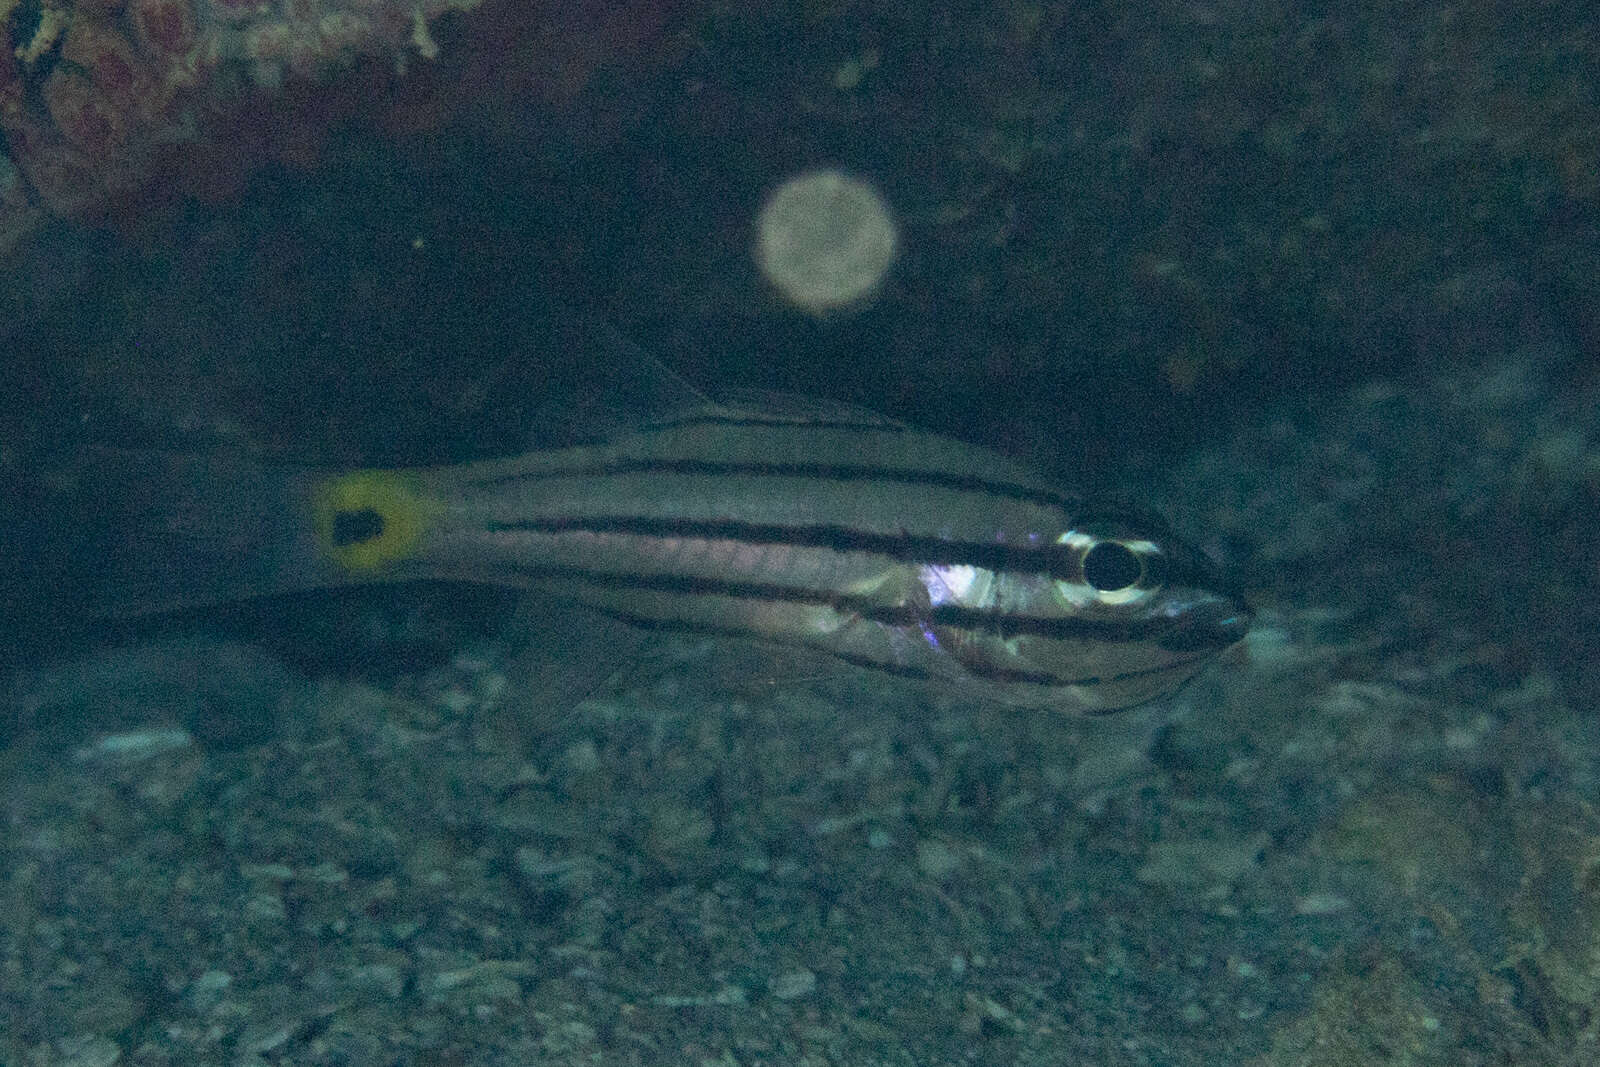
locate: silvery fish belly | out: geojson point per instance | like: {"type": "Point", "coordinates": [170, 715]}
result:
{"type": "Point", "coordinates": [890, 548]}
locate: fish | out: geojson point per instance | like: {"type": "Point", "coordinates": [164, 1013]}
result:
{"type": "Point", "coordinates": [885, 546]}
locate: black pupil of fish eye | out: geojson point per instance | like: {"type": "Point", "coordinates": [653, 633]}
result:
{"type": "Point", "coordinates": [1110, 566]}
{"type": "Point", "coordinates": [354, 527]}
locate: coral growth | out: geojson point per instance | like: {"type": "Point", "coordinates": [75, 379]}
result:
{"type": "Point", "coordinates": [98, 97]}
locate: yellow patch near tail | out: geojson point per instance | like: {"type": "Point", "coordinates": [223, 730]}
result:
{"type": "Point", "coordinates": [368, 519]}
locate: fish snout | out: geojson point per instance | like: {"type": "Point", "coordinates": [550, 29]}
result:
{"type": "Point", "coordinates": [1209, 622]}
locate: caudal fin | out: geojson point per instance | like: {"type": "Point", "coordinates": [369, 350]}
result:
{"type": "Point", "coordinates": [114, 533]}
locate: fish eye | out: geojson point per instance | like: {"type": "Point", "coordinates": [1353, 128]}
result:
{"type": "Point", "coordinates": [1111, 566]}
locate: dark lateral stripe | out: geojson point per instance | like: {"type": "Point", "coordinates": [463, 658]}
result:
{"type": "Point", "coordinates": [900, 670]}
{"type": "Point", "coordinates": [693, 586]}
{"type": "Point", "coordinates": [1043, 558]}
{"type": "Point", "coordinates": [651, 622]}
{"type": "Point", "coordinates": [1003, 675]}
{"type": "Point", "coordinates": [989, 674]}
{"type": "Point", "coordinates": [946, 615]}
{"type": "Point", "coordinates": [976, 670]}
{"type": "Point", "coordinates": [1061, 628]}
{"type": "Point", "coordinates": [837, 472]}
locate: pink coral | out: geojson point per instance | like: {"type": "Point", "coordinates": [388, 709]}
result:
{"type": "Point", "coordinates": [103, 95]}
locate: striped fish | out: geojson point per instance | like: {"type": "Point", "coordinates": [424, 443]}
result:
{"type": "Point", "coordinates": [888, 547]}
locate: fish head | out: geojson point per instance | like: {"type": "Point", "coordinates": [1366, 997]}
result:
{"type": "Point", "coordinates": [1153, 609]}
{"type": "Point", "coordinates": [1120, 612]}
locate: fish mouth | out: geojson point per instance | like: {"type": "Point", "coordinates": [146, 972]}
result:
{"type": "Point", "coordinates": [1209, 623]}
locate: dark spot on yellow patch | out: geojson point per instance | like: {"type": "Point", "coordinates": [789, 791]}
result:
{"type": "Point", "coordinates": [354, 527]}
{"type": "Point", "coordinates": [366, 520]}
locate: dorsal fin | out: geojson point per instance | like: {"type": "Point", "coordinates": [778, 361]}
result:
{"type": "Point", "coordinates": [585, 382]}
{"type": "Point", "coordinates": [645, 387]}
{"type": "Point", "coordinates": [802, 408]}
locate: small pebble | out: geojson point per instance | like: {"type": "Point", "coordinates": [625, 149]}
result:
{"type": "Point", "coordinates": [791, 985]}
{"type": "Point", "coordinates": [88, 1050]}
{"type": "Point", "coordinates": [134, 745]}
{"type": "Point", "coordinates": [937, 859]}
